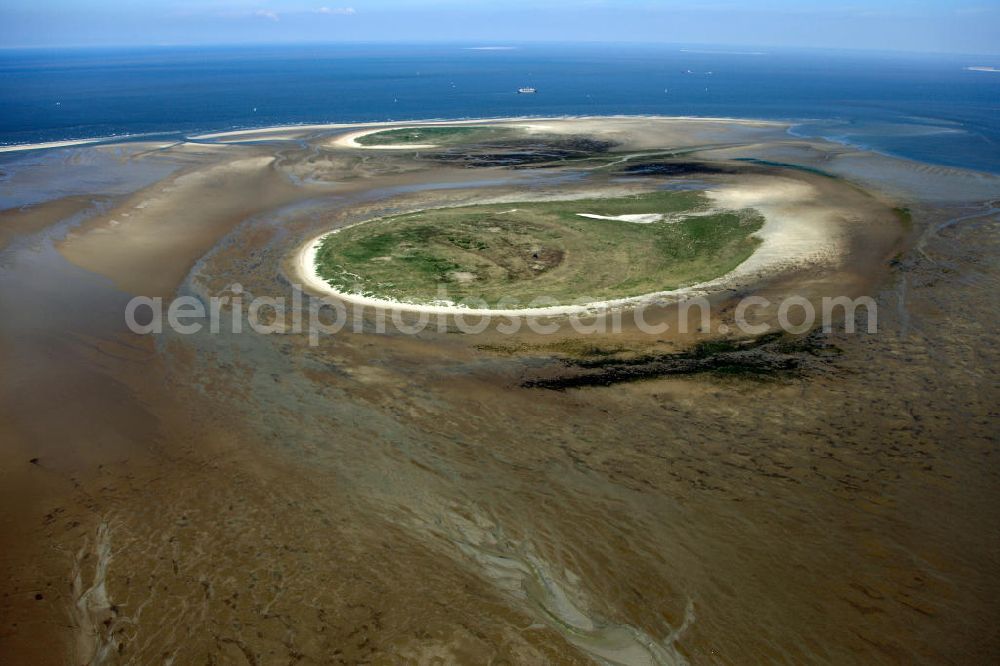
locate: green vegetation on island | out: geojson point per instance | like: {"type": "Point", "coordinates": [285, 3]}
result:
{"type": "Point", "coordinates": [437, 136]}
{"type": "Point", "coordinates": [509, 255]}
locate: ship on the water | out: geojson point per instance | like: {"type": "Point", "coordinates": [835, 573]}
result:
{"type": "Point", "coordinates": [526, 91]}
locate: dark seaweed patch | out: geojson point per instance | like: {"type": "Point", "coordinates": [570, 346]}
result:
{"type": "Point", "coordinates": [674, 169]}
{"type": "Point", "coordinates": [771, 356]}
{"type": "Point", "coordinates": [513, 153]}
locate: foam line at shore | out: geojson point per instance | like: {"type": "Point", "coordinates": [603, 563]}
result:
{"type": "Point", "coordinates": [50, 144]}
{"type": "Point", "coordinates": [104, 140]}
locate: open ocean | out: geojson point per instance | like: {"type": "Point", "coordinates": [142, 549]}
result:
{"type": "Point", "coordinates": [926, 107]}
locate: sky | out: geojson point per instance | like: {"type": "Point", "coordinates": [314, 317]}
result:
{"type": "Point", "coordinates": [955, 26]}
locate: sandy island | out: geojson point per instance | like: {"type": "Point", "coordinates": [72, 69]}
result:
{"type": "Point", "coordinates": [798, 230]}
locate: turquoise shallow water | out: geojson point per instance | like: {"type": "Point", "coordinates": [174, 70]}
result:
{"type": "Point", "coordinates": [930, 108]}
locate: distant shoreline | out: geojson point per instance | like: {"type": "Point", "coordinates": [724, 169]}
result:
{"type": "Point", "coordinates": [255, 131]}
{"type": "Point", "coordinates": [471, 121]}
{"type": "Point", "coordinates": [364, 127]}
{"type": "Point", "coordinates": [51, 144]}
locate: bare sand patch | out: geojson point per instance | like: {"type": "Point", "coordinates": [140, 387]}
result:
{"type": "Point", "coordinates": [350, 140]}
{"type": "Point", "coordinates": [639, 218]}
{"type": "Point", "coordinates": [800, 228]}
{"type": "Point", "coordinates": [149, 243]}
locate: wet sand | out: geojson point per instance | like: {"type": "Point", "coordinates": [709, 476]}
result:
{"type": "Point", "coordinates": [400, 499]}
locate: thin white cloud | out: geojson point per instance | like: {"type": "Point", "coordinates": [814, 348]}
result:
{"type": "Point", "coordinates": [273, 15]}
{"type": "Point", "coordinates": [337, 11]}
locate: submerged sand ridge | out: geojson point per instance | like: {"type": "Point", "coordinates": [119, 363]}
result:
{"type": "Point", "coordinates": [406, 499]}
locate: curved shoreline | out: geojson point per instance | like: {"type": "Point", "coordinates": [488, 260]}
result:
{"type": "Point", "coordinates": [306, 268]}
{"type": "Point", "coordinates": [376, 126]}
{"type": "Point", "coordinates": [383, 124]}
{"type": "Point", "coordinates": [350, 140]}
{"type": "Point", "coordinates": [221, 136]}
{"type": "Point", "coordinates": [786, 243]}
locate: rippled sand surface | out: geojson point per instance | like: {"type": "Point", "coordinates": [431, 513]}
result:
{"type": "Point", "coordinates": [394, 499]}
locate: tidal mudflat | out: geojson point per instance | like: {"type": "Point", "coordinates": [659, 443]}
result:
{"type": "Point", "coordinates": [551, 496]}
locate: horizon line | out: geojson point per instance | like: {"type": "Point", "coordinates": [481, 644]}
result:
{"type": "Point", "coordinates": [764, 49]}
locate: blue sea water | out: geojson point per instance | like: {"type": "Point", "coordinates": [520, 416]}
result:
{"type": "Point", "coordinates": [926, 107]}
